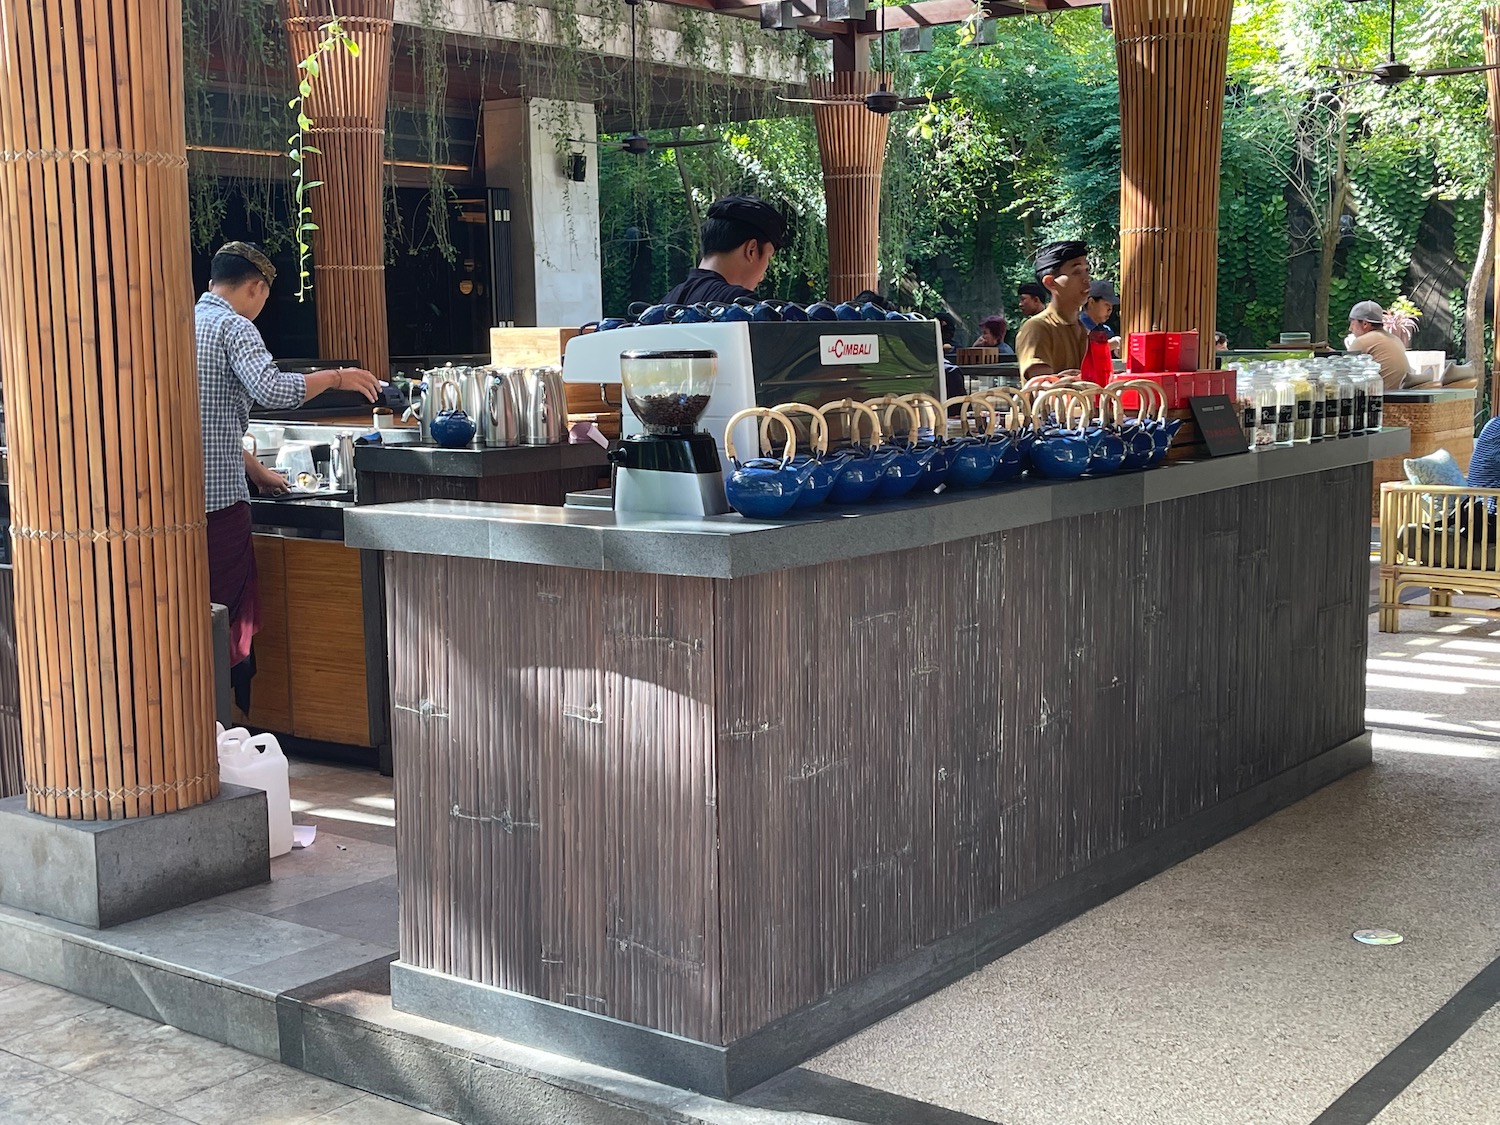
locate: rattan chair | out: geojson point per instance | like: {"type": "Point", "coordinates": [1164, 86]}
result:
{"type": "Point", "coordinates": [1441, 538]}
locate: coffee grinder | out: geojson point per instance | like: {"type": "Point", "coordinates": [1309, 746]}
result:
{"type": "Point", "coordinates": [673, 468]}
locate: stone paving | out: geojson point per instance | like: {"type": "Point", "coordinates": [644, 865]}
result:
{"type": "Point", "coordinates": [65, 1060]}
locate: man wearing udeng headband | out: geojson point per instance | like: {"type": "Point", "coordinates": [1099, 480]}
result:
{"type": "Point", "coordinates": [1053, 341]}
{"type": "Point", "coordinates": [740, 236]}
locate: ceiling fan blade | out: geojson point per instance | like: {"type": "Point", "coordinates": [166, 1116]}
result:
{"type": "Point", "coordinates": [923, 100]}
{"type": "Point", "coordinates": [1439, 72]}
{"type": "Point", "coordinates": [1343, 69]}
{"type": "Point", "coordinates": [822, 101]}
{"type": "Point", "coordinates": [581, 141]}
{"type": "Point", "coordinates": [687, 144]}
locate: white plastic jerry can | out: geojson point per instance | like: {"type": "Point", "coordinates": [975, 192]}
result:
{"type": "Point", "coordinates": [256, 761]}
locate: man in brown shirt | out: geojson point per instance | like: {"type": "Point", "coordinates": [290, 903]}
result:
{"type": "Point", "coordinates": [1053, 341]}
{"type": "Point", "coordinates": [1367, 326]}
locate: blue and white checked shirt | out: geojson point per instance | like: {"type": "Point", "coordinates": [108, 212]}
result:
{"type": "Point", "coordinates": [234, 370]}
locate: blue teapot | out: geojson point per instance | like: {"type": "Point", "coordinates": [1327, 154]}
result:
{"type": "Point", "coordinates": [871, 311]}
{"type": "Point", "coordinates": [907, 461]}
{"type": "Point", "coordinates": [730, 314]}
{"type": "Point", "coordinates": [931, 447]}
{"type": "Point", "coordinates": [655, 314]}
{"type": "Point", "coordinates": [688, 314]}
{"type": "Point", "coordinates": [791, 311]}
{"type": "Point", "coordinates": [819, 471]}
{"type": "Point", "coordinates": [765, 312]}
{"type": "Point", "coordinates": [846, 311]}
{"type": "Point", "coordinates": [1062, 450]}
{"type": "Point", "coordinates": [763, 488]}
{"type": "Point", "coordinates": [1012, 436]}
{"type": "Point", "coordinates": [610, 323]}
{"type": "Point", "coordinates": [859, 472]}
{"type": "Point", "coordinates": [972, 457]}
{"type": "Point", "coordinates": [451, 427]}
{"type": "Point", "coordinates": [821, 310]}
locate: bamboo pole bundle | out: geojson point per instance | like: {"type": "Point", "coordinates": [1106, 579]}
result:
{"type": "Point", "coordinates": [1171, 56]}
{"type": "Point", "coordinates": [347, 106]}
{"type": "Point", "coordinates": [1490, 22]}
{"type": "Point", "coordinates": [851, 145]}
{"type": "Point", "coordinates": [106, 467]}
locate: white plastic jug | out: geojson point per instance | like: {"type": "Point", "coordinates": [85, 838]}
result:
{"type": "Point", "coordinates": [256, 761]}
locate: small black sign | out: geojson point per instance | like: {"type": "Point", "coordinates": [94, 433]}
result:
{"type": "Point", "coordinates": [1219, 424]}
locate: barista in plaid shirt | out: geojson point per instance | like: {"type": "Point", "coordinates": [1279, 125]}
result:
{"type": "Point", "coordinates": [234, 369]}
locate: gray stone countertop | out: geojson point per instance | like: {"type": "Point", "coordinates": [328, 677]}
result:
{"type": "Point", "coordinates": [732, 546]}
{"type": "Point", "coordinates": [475, 460]}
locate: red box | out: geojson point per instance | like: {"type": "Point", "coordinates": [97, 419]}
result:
{"type": "Point", "coordinates": [1146, 352]}
{"type": "Point", "coordinates": [1180, 352]}
{"type": "Point", "coordinates": [1168, 383]}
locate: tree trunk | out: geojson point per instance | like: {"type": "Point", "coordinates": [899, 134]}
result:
{"type": "Point", "coordinates": [1477, 290]}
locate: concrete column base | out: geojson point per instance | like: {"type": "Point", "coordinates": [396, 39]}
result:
{"type": "Point", "coordinates": [101, 873]}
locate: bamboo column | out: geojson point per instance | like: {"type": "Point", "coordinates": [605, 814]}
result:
{"type": "Point", "coordinates": [1490, 22]}
{"type": "Point", "coordinates": [347, 106]}
{"type": "Point", "coordinates": [851, 144]}
{"type": "Point", "coordinates": [106, 465]}
{"type": "Point", "coordinates": [1171, 58]}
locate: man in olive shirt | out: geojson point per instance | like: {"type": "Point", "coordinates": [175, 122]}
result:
{"type": "Point", "coordinates": [1367, 326]}
{"type": "Point", "coordinates": [1053, 341]}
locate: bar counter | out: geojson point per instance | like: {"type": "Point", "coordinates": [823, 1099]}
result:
{"type": "Point", "coordinates": [697, 799]}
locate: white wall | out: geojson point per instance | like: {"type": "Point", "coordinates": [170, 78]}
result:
{"type": "Point", "coordinates": [554, 221]}
{"type": "Point", "coordinates": [564, 215]}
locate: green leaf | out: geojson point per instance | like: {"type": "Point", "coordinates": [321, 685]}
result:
{"type": "Point", "coordinates": [304, 87]}
{"type": "Point", "coordinates": [304, 122]}
{"type": "Point", "coordinates": [315, 151]}
{"type": "Point", "coordinates": [311, 63]}
{"type": "Point", "coordinates": [312, 184]}
{"type": "Point", "coordinates": [352, 47]}
{"type": "Point", "coordinates": [308, 226]}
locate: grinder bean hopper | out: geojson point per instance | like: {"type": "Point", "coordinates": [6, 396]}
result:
{"type": "Point", "coordinates": [673, 468]}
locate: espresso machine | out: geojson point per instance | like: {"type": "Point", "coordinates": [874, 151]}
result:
{"type": "Point", "coordinates": [672, 468]}
{"type": "Point", "coordinates": [765, 364]}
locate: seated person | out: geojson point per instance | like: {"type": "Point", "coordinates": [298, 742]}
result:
{"type": "Point", "coordinates": [1221, 342]}
{"type": "Point", "coordinates": [1367, 334]}
{"type": "Point", "coordinates": [1484, 466]}
{"type": "Point", "coordinates": [992, 332]}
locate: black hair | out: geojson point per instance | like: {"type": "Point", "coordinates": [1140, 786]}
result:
{"type": "Point", "coordinates": [232, 269]}
{"type": "Point", "coordinates": [720, 235]}
{"type": "Point", "coordinates": [870, 297]}
{"type": "Point", "coordinates": [947, 326]}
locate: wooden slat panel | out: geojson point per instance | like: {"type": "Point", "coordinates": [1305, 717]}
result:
{"type": "Point", "coordinates": [851, 146]}
{"type": "Point", "coordinates": [105, 457]}
{"type": "Point", "coordinates": [1171, 57]}
{"type": "Point", "coordinates": [10, 691]}
{"type": "Point", "coordinates": [347, 106]}
{"type": "Point", "coordinates": [555, 777]}
{"type": "Point", "coordinates": [882, 750]}
{"type": "Point", "coordinates": [271, 690]}
{"type": "Point", "coordinates": [325, 632]}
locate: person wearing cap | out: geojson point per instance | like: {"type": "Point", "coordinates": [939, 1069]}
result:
{"type": "Point", "coordinates": [1368, 335]}
{"type": "Point", "coordinates": [1100, 306]}
{"type": "Point", "coordinates": [740, 236]}
{"type": "Point", "coordinates": [1054, 341]}
{"type": "Point", "coordinates": [234, 370]}
{"type": "Point", "coordinates": [1031, 298]}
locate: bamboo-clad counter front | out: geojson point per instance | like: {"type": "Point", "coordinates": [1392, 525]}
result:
{"type": "Point", "coordinates": [696, 799]}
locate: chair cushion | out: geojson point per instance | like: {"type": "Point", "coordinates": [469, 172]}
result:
{"type": "Point", "coordinates": [1436, 468]}
{"type": "Point", "coordinates": [1441, 469]}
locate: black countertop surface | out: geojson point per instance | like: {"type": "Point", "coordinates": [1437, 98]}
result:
{"type": "Point", "coordinates": [475, 461]}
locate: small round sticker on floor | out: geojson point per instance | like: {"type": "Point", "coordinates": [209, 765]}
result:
{"type": "Point", "coordinates": [1378, 937]}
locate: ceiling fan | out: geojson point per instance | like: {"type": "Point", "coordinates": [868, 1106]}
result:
{"type": "Point", "coordinates": [1391, 72]}
{"type": "Point", "coordinates": [635, 142]}
{"type": "Point", "coordinates": [882, 100]}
